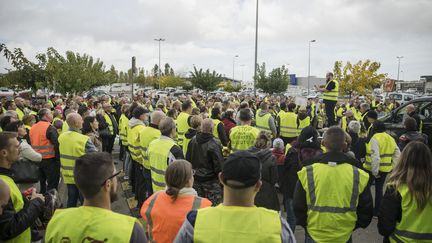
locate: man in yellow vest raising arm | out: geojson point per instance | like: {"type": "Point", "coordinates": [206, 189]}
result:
{"type": "Point", "coordinates": [237, 219]}
{"type": "Point", "coordinates": [96, 177]}
{"type": "Point", "coordinates": [332, 197]}
{"type": "Point", "coordinates": [330, 97]}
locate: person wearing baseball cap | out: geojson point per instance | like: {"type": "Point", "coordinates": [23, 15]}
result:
{"type": "Point", "coordinates": [237, 219]}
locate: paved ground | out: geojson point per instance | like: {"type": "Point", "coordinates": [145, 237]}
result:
{"type": "Point", "coordinates": [126, 205]}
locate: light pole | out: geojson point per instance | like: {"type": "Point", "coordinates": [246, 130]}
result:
{"type": "Point", "coordinates": [308, 81]}
{"type": "Point", "coordinates": [234, 66]}
{"type": "Point", "coordinates": [399, 58]}
{"type": "Point", "coordinates": [256, 47]}
{"type": "Point", "coordinates": [159, 73]}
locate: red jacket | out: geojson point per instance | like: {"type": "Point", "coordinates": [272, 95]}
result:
{"type": "Point", "coordinates": [228, 124]}
{"type": "Point", "coordinates": [280, 156]}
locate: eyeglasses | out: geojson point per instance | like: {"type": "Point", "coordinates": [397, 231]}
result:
{"type": "Point", "coordinates": [112, 176]}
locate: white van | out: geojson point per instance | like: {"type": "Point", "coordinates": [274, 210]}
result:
{"type": "Point", "coordinates": [401, 98]}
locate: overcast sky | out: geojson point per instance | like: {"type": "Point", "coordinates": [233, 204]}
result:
{"type": "Point", "coordinates": [209, 33]}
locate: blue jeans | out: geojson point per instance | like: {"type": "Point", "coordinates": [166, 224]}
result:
{"type": "Point", "coordinates": [289, 209]}
{"type": "Point", "coordinates": [73, 196]}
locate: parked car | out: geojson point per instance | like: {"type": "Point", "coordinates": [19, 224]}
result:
{"type": "Point", "coordinates": [394, 120]}
{"type": "Point", "coordinates": [401, 98]}
{"type": "Point", "coordinates": [6, 92]}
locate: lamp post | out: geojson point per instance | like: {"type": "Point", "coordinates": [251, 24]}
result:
{"type": "Point", "coordinates": [399, 58]}
{"type": "Point", "coordinates": [308, 80]}
{"type": "Point", "coordinates": [159, 73]}
{"type": "Point", "coordinates": [234, 66]}
{"type": "Point", "coordinates": [256, 47]}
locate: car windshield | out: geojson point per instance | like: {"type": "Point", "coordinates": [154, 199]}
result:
{"type": "Point", "coordinates": [395, 96]}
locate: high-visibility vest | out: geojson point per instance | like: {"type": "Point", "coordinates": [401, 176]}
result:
{"type": "Point", "coordinates": [262, 122]}
{"type": "Point", "coordinates": [154, 212]}
{"type": "Point", "coordinates": [237, 224]}
{"type": "Point", "coordinates": [123, 125]}
{"type": "Point", "coordinates": [287, 147]}
{"type": "Point", "coordinates": [303, 123]}
{"type": "Point", "coordinates": [344, 123]}
{"type": "Point", "coordinates": [185, 145]}
{"type": "Point", "coordinates": [182, 126]}
{"type": "Point", "coordinates": [216, 123]}
{"type": "Point", "coordinates": [72, 146]}
{"type": "Point", "coordinates": [18, 203]}
{"type": "Point", "coordinates": [20, 113]}
{"type": "Point", "coordinates": [40, 142]}
{"type": "Point", "coordinates": [339, 112]}
{"type": "Point", "coordinates": [415, 224]}
{"type": "Point", "coordinates": [89, 224]}
{"type": "Point", "coordinates": [65, 127]}
{"type": "Point", "coordinates": [158, 153]}
{"type": "Point", "coordinates": [243, 137]}
{"type": "Point", "coordinates": [333, 94]}
{"type": "Point", "coordinates": [313, 110]}
{"type": "Point", "coordinates": [332, 204]}
{"type": "Point", "coordinates": [110, 124]}
{"type": "Point", "coordinates": [387, 146]}
{"type": "Point", "coordinates": [146, 136]}
{"type": "Point", "coordinates": [288, 125]}
{"type": "Point", "coordinates": [134, 144]}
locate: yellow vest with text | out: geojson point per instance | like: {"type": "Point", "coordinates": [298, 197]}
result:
{"type": "Point", "coordinates": [18, 204]}
{"type": "Point", "coordinates": [158, 153]}
{"type": "Point", "coordinates": [237, 224]}
{"type": "Point", "coordinates": [332, 204]}
{"type": "Point", "coordinates": [415, 225]}
{"type": "Point", "coordinates": [332, 94]}
{"type": "Point", "coordinates": [146, 136]}
{"type": "Point", "coordinates": [182, 126]}
{"type": "Point", "coordinates": [71, 146]}
{"type": "Point", "coordinates": [262, 122]}
{"type": "Point", "coordinates": [89, 224]}
{"type": "Point", "coordinates": [303, 123]}
{"type": "Point", "coordinates": [134, 146]}
{"type": "Point", "coordinates": [387, 146]}
{"type": "Point", "coordinates": [243, 137]}
{"type": "Point", "coordinates": [288, 124]}
{"type": "Point", "coordinates": [123, 125]}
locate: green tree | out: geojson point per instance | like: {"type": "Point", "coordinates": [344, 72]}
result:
{"type": "Point", "coordinates": [228, 86]}
{"type": "Point", "coordinates": [275, 82]}
{"type": "Point", "coordinates": [361, 77]}
{"type": "Point", "coordinates": [171, 81]}
{"type": "Point", "coordinates": [207, 81]}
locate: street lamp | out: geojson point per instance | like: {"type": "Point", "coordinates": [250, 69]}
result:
{"type": "Point", "coordinates": [399, 58]}
{"type": "Point", "coordinates": [234, 66]}
{"type": "Point", "coordinates": [308, 81]}
{"type": "Point", "coordinates": [159, 73]}
{"type": "Point", "coordinates": [256, 47]}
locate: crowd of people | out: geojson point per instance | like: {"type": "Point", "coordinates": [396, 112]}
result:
{"type": "Point", "coordinates": [213, 168]}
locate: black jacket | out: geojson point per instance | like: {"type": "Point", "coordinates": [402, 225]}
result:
{"type": "Point", "coordinates": [13, 223]}
{"type": "Point", "coordinates": [365, 204]}
{"type": "Point", "coordinates": [390, 212]}
{"type": "Point", "coordinates": [205, 155]}
{"type": "Point", "coordinates": [409, 136]}
{"type": "Point", "coordinates": [267, 195]}
{"type": "Point", "coordinates": [358, 146]}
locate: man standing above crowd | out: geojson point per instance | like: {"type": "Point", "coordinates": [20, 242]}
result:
{"type": "Point", "coordinates": [44, 140]}
{"type": "Point", "coordinates": [205, 154]}
{"type": "Point", "coordinates": [330, 96]}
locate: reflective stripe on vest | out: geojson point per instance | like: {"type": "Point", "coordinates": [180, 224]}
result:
{"type": "Point", "coordinates": [110, 124]}
{"type": "Point", "coordinates": [333, 94]}
{"type": "Point", "coordinates": [262, 122]}
{"type": "Point", "coordinates": [158, 153]}
{"type": "Point", "coordinates": [123, 125]}
{"type": "Point", "coordinates": [146, 136]}
{"type": "Point", "coordinates": [72, 146]}
{"type": "Point", "coordinates": [182, 126]}
{"type": "Point", "coordinates": [40, 143]}
{"type": "Point", "coordinates": [302, 124]}
{"type": "Point", "coordinates": [195, 205]}
{"type": "Point", "coordinates": [216, 122]}
{"type": "Point", "coordinates": [288, 125]}
{"type": "Point", "coordinates": [134, 143]}
{"type": "Point", "coordinates": [18, 204]}
{"type": "Point", "coordinates": [387, 146]}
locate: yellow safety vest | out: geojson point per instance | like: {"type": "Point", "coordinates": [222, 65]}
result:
{"type": "Point", "coordinates": [71, 146]}
{"type": "Point", "coordinates": [18, 204]}
{"type": "Point", "coordinates": [158, 153]}
{"type": "Point", "coordinates": [333, 94]}
{"type": "Point", "coordinates": [123, 125]}
{"type": "Point", "coordinates": [185, 145]}
{"type": "Point", "coordinates": [344, 123]}
{"type": "Point", "coordinates": [262, 122]}
{"type": "Point", "coordinates": [89, 224]}
{"type": "Point", "coordinates": [134, 144]}
{"type": "Point", "coordinates": [339, 112]}
{"type": "Point", "coordinates": [228, 224]}
{"type": "Point", "coordinates": [313, 108]}
{"type": "Point", "coordinates": [387, 146]}
{"type": "Point", "coordinates": [415, 225]}
{"type": "Point", "coordinates": [182, 126]}
{"type": "Point", "coordinates": [288, 125]}
{"type": "Point", "coordinates": [65, 127]}
{"type": "Point", "coordinates": [303, 123]}
{"type": "Point", "coordinates": [287, 147]}
{"type": "Point", "coordinates": [146, 136]}
{"type": "Point", "coordinates": [332, 204]}
{"type": "Point", "coordinates": [243, 137]}
{"type": "Point", "coordinates": [216, 123]}
{"type": "Point", "coordinates": [20, 113]}
{"type": "Point", "coordinates": [110, 124]}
